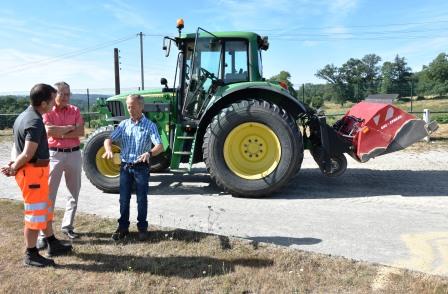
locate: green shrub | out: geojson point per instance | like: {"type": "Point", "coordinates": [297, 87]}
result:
{"type": "Point", "coordinates": [317, 102]}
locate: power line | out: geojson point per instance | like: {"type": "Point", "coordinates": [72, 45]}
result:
{"type": "Point", "coordinates": [357, 38]}
{"type": "Point", "coordinates": [363, 26]}
{"type": "Point", "coordinates": [394, 32]}
{"type": "Point", "coordinates": [46, 61]}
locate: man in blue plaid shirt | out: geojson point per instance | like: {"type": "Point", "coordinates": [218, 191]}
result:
{"type": "Point", "coordinates": [136, 134]}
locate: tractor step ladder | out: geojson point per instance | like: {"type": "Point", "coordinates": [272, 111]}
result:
{"type": "Point", "coordinates": [178, 150]}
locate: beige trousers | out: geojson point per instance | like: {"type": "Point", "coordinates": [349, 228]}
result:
{"type": "Point", "coordinates": [69, 164]}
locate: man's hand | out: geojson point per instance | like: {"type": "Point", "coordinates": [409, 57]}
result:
{"type": "Point", "coordinates": [8, 170]}
{"type": "Point", "coordinates": [144, 157]}
{"type": "Point", "coordinates": [108, 155]}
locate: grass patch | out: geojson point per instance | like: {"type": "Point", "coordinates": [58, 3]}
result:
{"type": "Point", "coordinates": [180, 261]}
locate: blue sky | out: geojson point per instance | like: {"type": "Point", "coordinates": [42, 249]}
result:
{"type": "Point", "coordinates": [49, 41]}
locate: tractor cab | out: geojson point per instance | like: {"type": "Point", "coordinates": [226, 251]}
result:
{"type": "Point", "coordinates": [209, 60]}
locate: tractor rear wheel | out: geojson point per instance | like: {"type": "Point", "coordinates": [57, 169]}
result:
{"type": "Point", "coordinates": [252, 148]}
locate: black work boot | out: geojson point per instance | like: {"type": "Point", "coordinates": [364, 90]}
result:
{"type": "Point", "coordinates": [57, 247]}
{"type": "Point", "coordinates": [33, 258]}
{"type": "Point", "coordinates": [143, 234]}
{"type": "Point", "coordinates": [120, 234]}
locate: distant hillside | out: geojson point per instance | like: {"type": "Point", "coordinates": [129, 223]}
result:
{"type": "Point", "coordinates": [17, 103]}
{"type": "Point", "coordinates": [93, 96]}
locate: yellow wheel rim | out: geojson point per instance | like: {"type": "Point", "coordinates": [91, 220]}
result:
{"type": "Point", "coordinates": [108, 167]}
{"type": "Point", "coordinates": [252, 151]}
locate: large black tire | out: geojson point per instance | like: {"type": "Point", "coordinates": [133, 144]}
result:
{"type": "Point", "coordinates": [161, 162]}
{"type": "Point", "coordinates": [104, 173]}
{"type": "Point", "coordinates": [106, 181]}
{"type": "Point", "coordinates": [240, 120]}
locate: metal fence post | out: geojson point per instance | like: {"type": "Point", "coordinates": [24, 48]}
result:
{"type": "Point", "coordinates": [427, 119]}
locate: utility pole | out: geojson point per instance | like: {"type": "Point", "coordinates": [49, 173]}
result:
{"type": "Point", "coordinates": [412, 82]}
{"type": "Point", "coordinates": [117, 72]}
{"type": "Point", "coordinates": [303, 93]}
{"type": "Point", "coordinates": [141, 59]}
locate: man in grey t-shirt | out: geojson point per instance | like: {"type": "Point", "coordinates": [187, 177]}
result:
{"type": "Point", "coordinates": [30, 168]}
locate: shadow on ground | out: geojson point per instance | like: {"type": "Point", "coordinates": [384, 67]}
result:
{"type": "Point", "coordinates": [311, 184]}
{"type": "Point", "coordinates": [187, 267]}
{"type": "Point", "coordinates": [155, 236]}
{"type": "Point", "coordinates": [283, 241]}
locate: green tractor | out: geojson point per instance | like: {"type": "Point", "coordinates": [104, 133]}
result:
{"type": "Point", "coordinates": [250, 133]}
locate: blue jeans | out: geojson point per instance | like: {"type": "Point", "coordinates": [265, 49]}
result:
{"type": "Point", "coordinates": [130, 176]}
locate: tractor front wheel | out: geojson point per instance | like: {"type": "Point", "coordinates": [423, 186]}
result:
{"type": "Point", "coordinates": [102, 173]}
{"type": "Point", "coordinates": [252, 148]}
{"type": "Point", "coordinates": [105, 173]}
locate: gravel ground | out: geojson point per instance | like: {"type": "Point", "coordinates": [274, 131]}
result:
{"type": "Point", "coordinates": [391, 210]}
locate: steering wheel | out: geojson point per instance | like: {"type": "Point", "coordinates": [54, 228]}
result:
{"type": "Point", "coordinates": [208, 74]}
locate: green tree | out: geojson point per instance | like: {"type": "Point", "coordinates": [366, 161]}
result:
{"type": "Point", "coordinates": [354, 79]}
{"type": "Point", "coordinates": [387, 74]}
{"type": "Point", "coordinates": [372, 72]}
{"type": "Point", "coordinates": [333, 75]}
{"type": "Point", "coordinates": [396, 76]}
{"type": "Point", "coordinates": [284, 77]}
{"type": "Point", "coordinates": [437, 73]}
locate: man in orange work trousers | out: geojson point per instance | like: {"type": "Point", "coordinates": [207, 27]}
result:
{"type": "Point", "coordinates": [29, 165]}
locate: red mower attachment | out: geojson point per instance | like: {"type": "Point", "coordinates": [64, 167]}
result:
{"type": "Point", "coordinates": [377, 128]}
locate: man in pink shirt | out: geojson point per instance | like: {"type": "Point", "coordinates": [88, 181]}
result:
{"type": "Point", "coordinates": [64, 125]}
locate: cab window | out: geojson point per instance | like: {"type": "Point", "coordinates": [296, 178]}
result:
{"type": "Point", "coordinates": [236, 65]}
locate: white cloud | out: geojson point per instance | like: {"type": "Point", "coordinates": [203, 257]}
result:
{"type": "Point", "coordinates": [342, 6]}
{"type": "Point", "coordinates": [128, 15]}
{"type": "Point", "coordinates": [21, 70]}
{"type": "Point", "coordinates": [417, 53]}
{"type": "Point", "coordinates": [309, 43]}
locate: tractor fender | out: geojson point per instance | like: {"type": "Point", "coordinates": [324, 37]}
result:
{"type": "Point", "coordinates": [263, 91]}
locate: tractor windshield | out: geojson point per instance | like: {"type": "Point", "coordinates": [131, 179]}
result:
{"type": "Point", "coordinates": [203, 69]}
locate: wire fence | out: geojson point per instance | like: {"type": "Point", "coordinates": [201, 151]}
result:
{"type": "Point", "coordinates": [12, 103]}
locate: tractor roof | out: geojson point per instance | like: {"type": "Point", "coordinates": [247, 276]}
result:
{"type": "Point", "coordinates": [243, 35]}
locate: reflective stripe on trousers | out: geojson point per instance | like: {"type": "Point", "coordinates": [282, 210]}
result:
{"type": "Point", "coordinates": [36, 206]}
{"type": "Point", "coordinates": [33, 181]}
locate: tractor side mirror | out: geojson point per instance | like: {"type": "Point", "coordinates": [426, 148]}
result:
{"type": "Point", "coordinates": [167, 46]}
{"type": "Point", "coordinates": [164, 82]}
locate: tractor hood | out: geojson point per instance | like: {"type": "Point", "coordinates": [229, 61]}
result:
{"type": "Point", "coordinates": [153, 93]}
